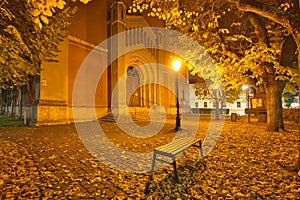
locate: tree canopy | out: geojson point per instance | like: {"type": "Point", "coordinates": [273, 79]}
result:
{"type": "Point", "coordinates": [245, 43]}
{"type": "Point", "coordinates": [226, 33]}
{"type": "Point", "coordinates": [43, 10]}
{"type": "Point", "coordinates": [24, 46]}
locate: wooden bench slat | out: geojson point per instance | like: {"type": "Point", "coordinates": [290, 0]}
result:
{"type": "Point", "coordinates": [177, 147]}
{"type": "Point", "coordinates": [174, 145]}
{"type": "Point", "coordinates": [178, 150]}
{"type": "Point", "coordinates": [172, 149]}
{"type": "Point", "coordinates": [178, 142]}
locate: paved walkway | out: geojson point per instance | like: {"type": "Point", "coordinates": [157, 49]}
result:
{"type": "Point", "coordinates": [51, 162]}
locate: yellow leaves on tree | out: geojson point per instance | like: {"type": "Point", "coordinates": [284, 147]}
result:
{"type": "Point", "coordinates": [45, 8]}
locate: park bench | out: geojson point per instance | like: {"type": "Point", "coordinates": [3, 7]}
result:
{"type": "Point", "coordinates": [174, 148]}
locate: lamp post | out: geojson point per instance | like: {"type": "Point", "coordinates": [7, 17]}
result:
{"type": "Point", "coordinates": [246, 87]}
{"type": "Point", "coordinates": [176, 66]}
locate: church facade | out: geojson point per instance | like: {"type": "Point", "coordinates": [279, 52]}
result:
{"type": "Point", "coordinates": [49, 98]}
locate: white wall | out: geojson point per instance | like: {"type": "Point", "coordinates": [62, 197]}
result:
{"type": "Point", "coordinates": [232, 106]}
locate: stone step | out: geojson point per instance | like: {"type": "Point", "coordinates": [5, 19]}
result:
{"type": "Point", "coordinates": [108, 118]}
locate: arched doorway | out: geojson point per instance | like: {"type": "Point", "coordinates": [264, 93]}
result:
{"type": "Point", "coordinates": [133, 87]}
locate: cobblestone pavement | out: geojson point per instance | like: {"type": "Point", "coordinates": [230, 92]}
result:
{"type": "Point", "coordinates": [51, 162]}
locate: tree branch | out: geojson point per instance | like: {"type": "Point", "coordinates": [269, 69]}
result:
{"type": "Point", "coordinates": [260, 29]}
{"type": "Point", "coordinates": [2, 3]}
{"type": "Point", "coordinates": [288, 50]}
{"type": "Point", "coordinates": [281, 17]}
{"type": "Point", "coordinates": [228, 53]}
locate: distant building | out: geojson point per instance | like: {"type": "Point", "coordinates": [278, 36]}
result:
{"type": "Point", "coordinates": [237, 106]}
{"type": "Point", "coordinates": [294, 104]}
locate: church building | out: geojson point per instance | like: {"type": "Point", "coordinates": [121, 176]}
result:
{"type": "Point", "coordinates": [51, 96]}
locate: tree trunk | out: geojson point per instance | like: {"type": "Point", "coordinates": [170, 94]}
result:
{"type": "Point", "coordinates": [30, 91]}
{"type": "Point", "coordinates": [297, 40]}
{"type": "Point", "coordinates": [274, 91]}
{"type": "Point", "coordinates": [299, 77]}
{"type": "Point", "coordinates": [217, 106]}
{"type": "Point", "coordinates": [221, 107]}
{"type": "Point", "coordinates": [217, 110]}
{"type": "Point", "coordinates": [273, 87]}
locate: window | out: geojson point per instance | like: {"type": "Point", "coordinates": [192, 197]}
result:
{"type": "Point", "coordinates": [138, 36]}
{"type": "Point", "coordinates": [196, 105]}
{"type": "Point", "coordinates": [130, 37]}
{"type": "Point", "coordinates": [133, 38]}
{"type": "Point", "coordinates": [122, 14]}
{"type": "Point", "coordinates": [113, 14]}
{"type": "Point", "coordinates": [205, 104]}
{"type": "Point", "coordinates": [214, 104]}
{"type": "Point", "coordinates": [224, 105]}
{"type": "Point", "coordinates": [141, 37]}
{"type": "Point", "coordinates": [238, 104]}
{"type": "Point", "coordinates": [127, 36]}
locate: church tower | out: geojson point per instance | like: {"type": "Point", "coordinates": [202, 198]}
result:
{"type": "Point", "coordinates": [116, 57]}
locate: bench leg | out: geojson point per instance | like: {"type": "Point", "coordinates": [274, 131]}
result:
{"type": "Point", "coordinates": [175, 169]}
{"type": "Point", "coordinates": [201, 152]}
{"type": "Point", "coordinates": [153, 161]}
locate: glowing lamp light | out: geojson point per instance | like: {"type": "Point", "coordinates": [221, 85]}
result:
{"type": "Point", "coordinates": [245, 87]}
{"type": "Point", "coordinates": [176, 65]}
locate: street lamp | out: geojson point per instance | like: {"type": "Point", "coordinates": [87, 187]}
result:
{"type": "Point", "coordinates": [246, 87]}
{"type": "Point", "coordinates": [176, 66]}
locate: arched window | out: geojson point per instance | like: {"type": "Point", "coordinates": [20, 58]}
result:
{"type": "Point", "coordinates": [133, 87]}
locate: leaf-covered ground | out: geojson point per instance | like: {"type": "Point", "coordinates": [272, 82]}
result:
{"type": "Point", "coordinates": [246, 163]}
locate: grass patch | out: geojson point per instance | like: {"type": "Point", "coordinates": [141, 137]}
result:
{"type": "Point", "coordinates": [6, 121]}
